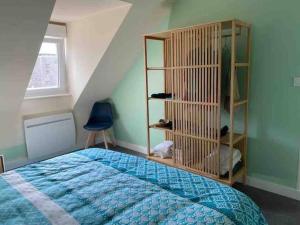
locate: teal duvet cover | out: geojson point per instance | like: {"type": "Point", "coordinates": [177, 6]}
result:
{"type": "Point", "coordinates": [97, 186]}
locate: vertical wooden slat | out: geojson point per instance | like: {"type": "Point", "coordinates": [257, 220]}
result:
{"type": "Point", "coordinates": [201, 98]}
{"type": "Point", "coordinates": [193, 97]}
{"type": "Point", "coordinates": [247, 104]}
{"type": "Point", "coordinates": [196, 81]}
{"type": "Point", "coordinates": [219, 95]}
{"type": "Point", "coordinates": [180, 94]}
{"type": "Point", "coordinates": [171, 63]}
{"type": "Point", "coordinates": [205, 95]}
{"type": "Point", "coordinates": [214, 98]}
{"type": "Point", "coordinates": [232, 91]}
{"type": "Point", "coordinates": [175, 119]}
{"type": "Point", "coordinates": [147, 101]}
{"type": "Point", "coordinates": [209, 98]}
{"type": "Point", "coordinates": [212, 95]}
{"type": "Point", "coordinates": [165, 84]}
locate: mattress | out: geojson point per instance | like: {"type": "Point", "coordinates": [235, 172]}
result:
{"type": "Point", "coordinates": [97, 186]}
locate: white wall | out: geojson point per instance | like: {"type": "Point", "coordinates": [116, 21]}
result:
{"type": "Point", "coordinates": [144, 17]}
{"type": "Point", "coordinates": [13, 123]}
{"type": "Point", "coordinates": [88, 39]}
{"type": "Point", "coordinates": [102, 48]}
{"type": "Point", "coordinates": [46, 105]}
{"type": "Point", "coordinates": [23, 25]}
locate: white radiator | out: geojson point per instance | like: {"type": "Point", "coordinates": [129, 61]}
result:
{"type": "Point", "coordinates": [49, 135]}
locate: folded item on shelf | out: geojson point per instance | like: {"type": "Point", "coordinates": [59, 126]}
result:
{"type": "Point", "coordinates": [224, 131]}
{"type": "Point", "coordinates": [162, 95]}
{"type": "Point", "coordinates": [165, 123]}
{"type": "Point", "coordinates": [164, 149]}
{"type": "Point", "coordinates": [225, 158]}
{"type": "Point", "coordinates": [235, 169]}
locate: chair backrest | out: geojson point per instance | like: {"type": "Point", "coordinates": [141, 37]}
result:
{"type": "Point", "coordinates": [101, 112]}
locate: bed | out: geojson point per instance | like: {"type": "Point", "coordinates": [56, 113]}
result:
{"type": "Point", "coordinates": [97, 186]}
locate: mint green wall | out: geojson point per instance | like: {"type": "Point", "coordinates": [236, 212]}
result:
{"type": "Point", "coordinates": [129, 100]}
{"type": "Point", "coordinates": [274, 103]}
{"type": "Point", "coordinates": [14, 153]}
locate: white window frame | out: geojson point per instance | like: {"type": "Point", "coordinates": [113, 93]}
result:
{"type": "Point", "coordinates": [62, 89]}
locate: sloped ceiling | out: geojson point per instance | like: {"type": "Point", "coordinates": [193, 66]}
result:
{"type": "Point", "coordinates": [144, 17]}
{"type": "Point", "coordinates": [73, 10]}
{"type": "Point", "coordinates": [88, 39]}
{"type": "Point", "coordinates": [23, 25]}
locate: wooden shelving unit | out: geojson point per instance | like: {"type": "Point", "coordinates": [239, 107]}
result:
{"type": "Point", "coordinates": [192, 73]}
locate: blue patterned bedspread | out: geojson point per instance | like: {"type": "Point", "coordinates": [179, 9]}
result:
{"type": "Point", "coordinates": [97, 186]}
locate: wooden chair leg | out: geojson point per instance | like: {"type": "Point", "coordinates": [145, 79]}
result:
{"type": "Point", "coordinates": [87, 144]}
{"type": "Point", "coordinates": [91, 140]}
{"type": "Point", "coordinates": [112, 138]}
{"type": "Point", "coordinates": [104, 138]}
{"type": "Point", "coordinates": [94, 138]}
{"type": "Point", "coordinates": [245, 178]}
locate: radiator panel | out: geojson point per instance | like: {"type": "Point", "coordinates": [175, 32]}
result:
{"type": "Point", "coordinates": [49, 135]}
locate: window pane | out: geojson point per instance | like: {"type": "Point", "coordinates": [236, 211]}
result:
{"type": "Point", "coordinates": [46, 73]}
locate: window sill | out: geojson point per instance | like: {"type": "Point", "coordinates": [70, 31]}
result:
{"type": "Point", "coordinates": [47, 96]}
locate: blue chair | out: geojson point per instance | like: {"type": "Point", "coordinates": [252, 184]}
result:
{"type": "Point", "coordinates": [101, 119]}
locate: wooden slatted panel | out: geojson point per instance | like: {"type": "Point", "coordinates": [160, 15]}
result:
{"type": "Point", "coordinates": [169, 86]}
{"type": "Point", "coordinates": [194, 80]}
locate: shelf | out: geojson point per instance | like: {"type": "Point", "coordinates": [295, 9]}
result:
{"type": "Point", "coordinates": [225, 140]}
{"type": "Point", "coordinates": [236, 138]}
{"type": "Point", "coordinates": [236, 104]}
{"type": "Point", "coordinates": [184, 67]}
{"type": "Point", "coordinates": [170, 162]}
{"type": "Point", "coordinates": [161, 99]}
{"type": "Point", "coordinates": [241, 64]}
{"type": "Point", "coordinates": [194, 67]}
{"type": "Point", "coordinates": [185, 102]}
{"type": "Point", "coordinates": [239, 174]}
{"type": "Point", "coordinates": [167, 161]}
{"type": "Point", "coordinates": [156, 126]}
{"type": "Point", "coordinates": [158, 68]}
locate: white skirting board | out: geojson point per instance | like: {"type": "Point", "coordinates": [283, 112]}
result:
{"type": "Point", "coordinates": [274, 188]}
{"type": "Point", "coordinates": [251, 181]}
{"type": "Point", "coordinates": [134, 147]}
{"type": "Point", "coordinates": [298, 187]}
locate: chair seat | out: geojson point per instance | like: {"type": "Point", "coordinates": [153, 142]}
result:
{"type": "Point", "coordinates": [97, 126]}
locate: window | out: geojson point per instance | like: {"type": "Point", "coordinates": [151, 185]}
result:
{"type": "Point", "coordinates": [48, 76]}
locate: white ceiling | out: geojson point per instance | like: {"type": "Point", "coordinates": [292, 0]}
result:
{"type": "Point", "coordinates": [70, 10]}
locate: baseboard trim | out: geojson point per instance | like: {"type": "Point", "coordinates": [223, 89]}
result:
{"type": "Point", "coordinates": [273, 187]}
{"type": "Point", "coordinates": [251, 181]}
{"type": "Point", "coordinates": [134, 147]}
{"type": "Point", "coordinates": [298, 178]}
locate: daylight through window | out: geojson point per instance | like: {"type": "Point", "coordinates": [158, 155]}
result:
{"type": "Point", "coordinates": [48, 76]}
{"type": "Point", "coordinates": [46, 71]}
